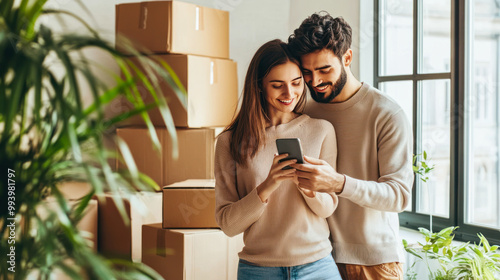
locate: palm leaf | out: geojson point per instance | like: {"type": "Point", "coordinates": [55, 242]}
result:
{"type": "Point", "coordinates": [49, 137]}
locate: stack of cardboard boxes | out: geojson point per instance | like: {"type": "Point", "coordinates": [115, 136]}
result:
{"type": "Point", "coordinates": [194, 41]}
{"type": "Point", "coordinates": [180, 238]}
{"type": "Point", "coordinates": [188, 244]}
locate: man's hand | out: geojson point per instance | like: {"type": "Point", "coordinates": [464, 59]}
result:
{"type": "Point", "coordinates": [319, 176]}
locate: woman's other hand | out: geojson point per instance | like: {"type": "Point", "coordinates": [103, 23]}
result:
{"type": "Point", "coordinates": [276, 176]}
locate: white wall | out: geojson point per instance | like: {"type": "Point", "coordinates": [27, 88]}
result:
{"type": "Point", "coordinates": [254, 22]}
{"type": "Point", "coordinates": [366, 37]}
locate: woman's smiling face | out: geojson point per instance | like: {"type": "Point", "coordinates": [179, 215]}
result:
{"type": "Point", "coordinates": [283, 86]}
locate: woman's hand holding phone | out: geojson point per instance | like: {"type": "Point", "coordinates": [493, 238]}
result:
{"type": "Point", "coordinates": [276, 175]}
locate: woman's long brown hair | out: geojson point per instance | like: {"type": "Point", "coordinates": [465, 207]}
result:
{"type": "Point", "coordinates": [249, 126]}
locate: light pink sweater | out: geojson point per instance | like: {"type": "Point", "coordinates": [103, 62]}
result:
{"type": "Point", "coordinates": [291, 228]}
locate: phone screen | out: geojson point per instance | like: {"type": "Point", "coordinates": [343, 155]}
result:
{"type": "Point", "coordinates": [292, 147]}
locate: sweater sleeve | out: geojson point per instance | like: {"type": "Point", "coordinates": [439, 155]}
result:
{"type": "Point", "coordinates": [232, 213]}
{"type": "Point", "coordinates": [392, 191]}
{"type": "Point", "coordinates": [323, 204]}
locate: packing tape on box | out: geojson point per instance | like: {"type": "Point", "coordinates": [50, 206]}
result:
{"type": "Point", "coordinates": [199, 23]}
{"type": "Point", "coordinates": [143, 16]}
{"type": "Point", "coordinates": [212, 63]}
{"type": "Point", "coordinates": [197, 19]}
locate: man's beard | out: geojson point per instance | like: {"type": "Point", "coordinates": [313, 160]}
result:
{"type": "Point", "coordinates": [336, 89]}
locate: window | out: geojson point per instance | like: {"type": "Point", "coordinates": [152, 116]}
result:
{"type": "Point", "coordinates": [440, 60]}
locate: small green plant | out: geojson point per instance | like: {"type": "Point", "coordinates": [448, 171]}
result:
{"type": "Point", "coordinates": [455, 261]}
{"type": "Point", "coordinates": [438, 246]}
{"type": "Point", "coordinates": [422, 167]}
{"type": "Point", "coordinates": [480, 262]}
{"type": "Point", "coordinates": [462, 262]}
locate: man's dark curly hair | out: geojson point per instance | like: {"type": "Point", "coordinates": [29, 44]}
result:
{"type": "Point", "coordinates": [320, 31]}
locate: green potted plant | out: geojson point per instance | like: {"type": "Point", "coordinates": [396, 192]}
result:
{"type": "Point", "coordinates": [455, 261]}
{"type": "Point", "coordinates": [444, 259]}
{"type": "Point", "coordinates": [48, 136]}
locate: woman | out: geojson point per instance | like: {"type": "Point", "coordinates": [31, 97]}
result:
{"type": "Point", "coordinates": [285, 231]}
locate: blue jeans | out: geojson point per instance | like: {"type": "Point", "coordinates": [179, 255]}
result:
{"type": "Point", "coordinates": [324, 269]}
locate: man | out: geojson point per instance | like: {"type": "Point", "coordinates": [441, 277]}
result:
{"type": "Point", "coordinates": [374, 175]}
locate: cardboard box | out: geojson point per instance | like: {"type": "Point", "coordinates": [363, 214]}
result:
{"type": "Point", "coordinates": [196, 154]}
{"type": "Point", "coordinates": [74, 190]}
{"type": "Point", "coordinates": [88, 225]}
{"type": "Point", "coordinates": [189, 204]}
{"type": "Point", "coordinates": [191, 254]}
{"type": "Point", "coordinates": [174, 27]}
{"type": "Point", "coordinates": [212, 93]}
{"type": "Point", "coordinates": [120, 239]}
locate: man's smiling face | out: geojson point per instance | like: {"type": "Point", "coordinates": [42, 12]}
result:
{"type": "Point", "coordinates": [325, 74]}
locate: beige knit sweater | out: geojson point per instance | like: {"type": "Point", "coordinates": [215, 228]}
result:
{"type": "Point", "coordinates": [374, 141]}
{"type": "Point", "coordinates": [291, 228]}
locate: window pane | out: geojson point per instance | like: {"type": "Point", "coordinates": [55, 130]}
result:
{"type": "Point", "coordinates": [402, 93]}
{"type": "Point", "coordinates": [396, 37]}
{"type": "Point", "coordinates": [436, 41]}
{"type": "Point", "coordinates": [483, 120]}
{"type": "Point", "coordinates": [434, 195]}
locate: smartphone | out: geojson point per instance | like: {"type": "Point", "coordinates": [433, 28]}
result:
{"type": "Point", "coordinates": [292, 147]}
